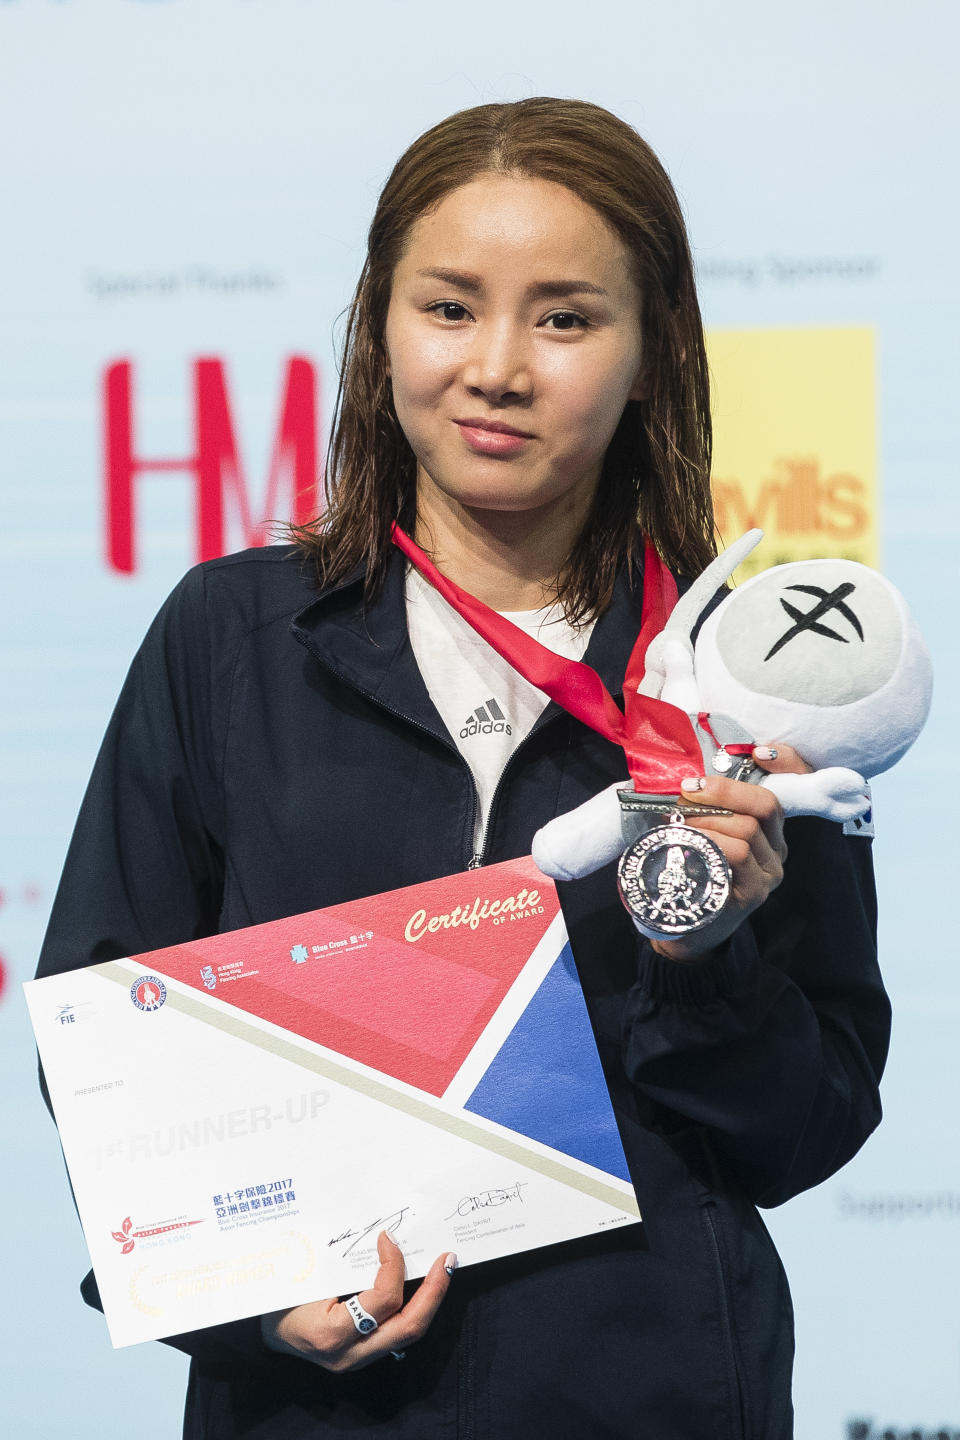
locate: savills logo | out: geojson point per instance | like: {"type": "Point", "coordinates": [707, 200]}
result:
{"type": "Point", "coordinates": [487, 719]}
{"type": "Point", "coordinates": [795, 440]}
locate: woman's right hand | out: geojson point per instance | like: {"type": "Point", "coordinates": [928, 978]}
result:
{"type": "Point", "coordinates": [323, 1331]}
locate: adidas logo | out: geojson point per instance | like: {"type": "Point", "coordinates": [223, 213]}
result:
{"type": "Point", "coordinates": [487, 719]}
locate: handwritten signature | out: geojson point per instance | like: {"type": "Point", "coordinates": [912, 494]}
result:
{"type": "Point", "coordinates": [390, 1223]}
{"type": "Point", "coordinates": [488, 1199]}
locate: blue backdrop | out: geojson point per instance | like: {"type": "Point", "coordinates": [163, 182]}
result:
{"type": "Point", "coordinates": [193, 181]}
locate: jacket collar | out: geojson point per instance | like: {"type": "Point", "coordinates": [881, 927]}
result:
{"type": "Point", "coordinates": [368, 646]}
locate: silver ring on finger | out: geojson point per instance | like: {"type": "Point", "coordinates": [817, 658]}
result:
{"type": "Point", "coordinates": [363, 1321]}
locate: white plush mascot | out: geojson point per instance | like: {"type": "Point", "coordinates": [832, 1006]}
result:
{"type": "Point", "coordinates": [822, 655]}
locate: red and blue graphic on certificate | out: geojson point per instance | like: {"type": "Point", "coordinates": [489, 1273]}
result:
{"type": "Point", "coordinates": [420, 1061]}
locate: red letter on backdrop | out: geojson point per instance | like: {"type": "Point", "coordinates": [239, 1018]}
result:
{"type": "Point", "coordinates": [215, 464]}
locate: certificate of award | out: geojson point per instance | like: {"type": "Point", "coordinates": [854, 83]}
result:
{"type": "Point", "coordinates": [241, 1115]}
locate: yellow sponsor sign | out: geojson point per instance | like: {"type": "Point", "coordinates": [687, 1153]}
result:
{"type": "Point", "coordinates": [794, 417]}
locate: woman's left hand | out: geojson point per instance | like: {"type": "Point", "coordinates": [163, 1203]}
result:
{"type": "Point", "coordinates": [751, 839]}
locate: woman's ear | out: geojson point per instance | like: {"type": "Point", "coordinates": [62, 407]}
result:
{"type": "Point", "coordinates": [640, 388]}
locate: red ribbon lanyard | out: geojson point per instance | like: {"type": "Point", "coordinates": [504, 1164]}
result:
{"type": "Point", "coordinates": [703, 720]}
{"type": "Point", "coordinates": [658, 739]}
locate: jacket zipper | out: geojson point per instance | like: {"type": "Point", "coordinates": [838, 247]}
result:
{"type": "Point", "coordinates": [479, 857]}
{"type": "Point", "coordinates": [466, 1419]}
{"type": "Point", "coordinates": [726, 1321]}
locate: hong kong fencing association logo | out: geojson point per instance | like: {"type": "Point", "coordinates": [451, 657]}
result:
{"type": "Point", "coordinates": [148, 992]}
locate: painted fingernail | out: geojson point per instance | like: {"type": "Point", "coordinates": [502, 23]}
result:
{"type": "Point", "coordinates": [764, 752]}
{"type": "Point", "coordinates": [450, 1264]}
{"type": "Point", "coordinates": [693, 782]}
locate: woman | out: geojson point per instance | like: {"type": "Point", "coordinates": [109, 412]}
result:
{"type": "Point", "coordinates": [525, 392]}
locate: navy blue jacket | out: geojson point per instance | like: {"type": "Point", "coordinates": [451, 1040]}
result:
{"type": "Point", "coordinates": [274, 750]}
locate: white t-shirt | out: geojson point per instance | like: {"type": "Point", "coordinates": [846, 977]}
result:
{"type": "Point", "coordinates": [486, 705]}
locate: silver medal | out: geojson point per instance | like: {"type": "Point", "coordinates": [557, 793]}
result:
{"type": "Point", "coordinates": [673, 879]}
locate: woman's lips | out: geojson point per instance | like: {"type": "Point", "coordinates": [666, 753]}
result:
{"type": "Point", "coordinates": [491, 439]}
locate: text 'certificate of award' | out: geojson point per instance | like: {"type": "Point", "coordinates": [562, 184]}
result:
{"type": "Point", "coordinates": [241, 1115]}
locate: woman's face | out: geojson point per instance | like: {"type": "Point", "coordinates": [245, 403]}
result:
{"type": "Point", "coordinates": [513, 342]}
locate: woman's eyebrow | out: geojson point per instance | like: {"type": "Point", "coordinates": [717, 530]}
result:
{"type": "Point", "coordinates": [552, 289]}
{"type": "Point", "coordinates": [463, 279]}
{"type": "Point", "coordinates": [540, 290]}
